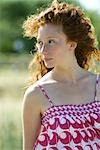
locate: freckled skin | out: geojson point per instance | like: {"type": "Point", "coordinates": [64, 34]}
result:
{"type": "Point", "coordinates": [53, 44]}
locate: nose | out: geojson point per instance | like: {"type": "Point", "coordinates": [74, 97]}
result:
{"type": "Point", "coordinates": [44, 49]}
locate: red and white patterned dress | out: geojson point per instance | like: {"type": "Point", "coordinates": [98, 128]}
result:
{"type": "Point", "coordinates": [70, 127]}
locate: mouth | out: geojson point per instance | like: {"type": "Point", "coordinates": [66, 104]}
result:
{"type": "Point", "coordinates": [48, 59]}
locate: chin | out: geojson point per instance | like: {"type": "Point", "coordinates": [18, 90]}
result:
{"type": "Point", "coordinates": [49, 69]}
{"type": "Point", "coordinates": [48, 66]}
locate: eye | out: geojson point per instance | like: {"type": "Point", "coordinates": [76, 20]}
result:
{"type": "Point", "coordinates": [39, 43]}
{"type": "Point", "coordinates": [51, 41]}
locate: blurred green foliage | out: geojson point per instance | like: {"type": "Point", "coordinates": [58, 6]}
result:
{"type": "Point", "coordinates": [13, 80]}
{"type": "Point", "coordinates": [10, 126]}
{"type": "Point", "coordinates": [12, 15]}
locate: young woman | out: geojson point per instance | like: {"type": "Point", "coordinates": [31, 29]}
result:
{"type": "Point", "coordinates": [61, 108]}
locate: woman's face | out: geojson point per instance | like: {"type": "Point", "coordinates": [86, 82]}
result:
{"type": "Point", "coordinates": [52, 43]}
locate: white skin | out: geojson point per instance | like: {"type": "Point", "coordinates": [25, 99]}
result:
{"type": "Point", "coordinates": [53, 43]}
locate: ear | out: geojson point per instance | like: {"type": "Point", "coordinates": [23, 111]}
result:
{"type": "Point", "coordinates": [73, 45]}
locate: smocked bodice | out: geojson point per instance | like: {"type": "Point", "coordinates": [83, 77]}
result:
{"type": "Point", "coordinates": [69, 127]}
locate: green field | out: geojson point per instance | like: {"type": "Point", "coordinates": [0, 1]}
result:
{"type": "Point", "coordinates": [10, 126]}
{"type": "Point", "coordinates": [13, 79]}
{"type": "Point", "coordinates": [12, 85]}
{"type": "Point", "coordinates": [10, 111]}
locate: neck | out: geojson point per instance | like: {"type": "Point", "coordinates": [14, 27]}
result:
{"type": "Point", "coordinates": [70, 74]}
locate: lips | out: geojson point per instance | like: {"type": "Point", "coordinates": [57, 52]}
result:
{"type": "Point", "coordinates": [47, 59]}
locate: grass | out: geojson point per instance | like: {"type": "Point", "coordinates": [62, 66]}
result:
{"type": "Point", "coordinates": [13, 76]}
{"type": "Point", "coordinates": [12, 83]}
{"type": "Point", "coordinates": [10, 126]}
{"type": "Point", "coordinates": [13, 79]}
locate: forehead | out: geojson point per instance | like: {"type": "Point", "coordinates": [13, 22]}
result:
{"type": "Point", "coordinates": [50, 30]}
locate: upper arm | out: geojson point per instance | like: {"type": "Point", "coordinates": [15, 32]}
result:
{"type": "Point", "coordinates": [31, 119]}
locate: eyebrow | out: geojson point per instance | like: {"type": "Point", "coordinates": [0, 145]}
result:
{"type": "Point", "coordinates": [50, 37]}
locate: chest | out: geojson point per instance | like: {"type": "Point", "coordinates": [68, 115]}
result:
{"type": "Point", "coordinates": [70, 94]}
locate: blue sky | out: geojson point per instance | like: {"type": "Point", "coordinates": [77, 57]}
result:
{"type": "Point", "coordinates": [91, 4]}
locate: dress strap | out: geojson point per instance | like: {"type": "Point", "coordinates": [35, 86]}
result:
{"type": "Point", "coordinates": [46, 95]}
{"type": "Point", "coordinates": [96, 86]}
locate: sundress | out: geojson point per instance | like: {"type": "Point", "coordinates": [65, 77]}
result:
{"type": "Point", "coordinates": [70, 127]}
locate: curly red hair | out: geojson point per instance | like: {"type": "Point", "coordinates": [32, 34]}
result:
{"type": "Point", "coordinates": [76, 26]}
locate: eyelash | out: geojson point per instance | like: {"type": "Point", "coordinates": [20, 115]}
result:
{"type": "Point", "coordinates": [49, 41]}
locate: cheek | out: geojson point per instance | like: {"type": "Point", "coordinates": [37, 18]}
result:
{"type": "Point", "coordinates": [52, 50]}
{"type": "Point", "coordinates": [56, 51]}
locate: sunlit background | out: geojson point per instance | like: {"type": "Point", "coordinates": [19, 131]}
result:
{"type": "Point", "coordinates": [15, 57]}
{"type": "Point", "coordinates": [91, 4]}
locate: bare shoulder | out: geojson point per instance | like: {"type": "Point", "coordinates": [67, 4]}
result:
{"type": "Point", "coordinates": [31, 97]}
{"type": "Point", "coordinates": [34, 91]}
{"type": "Point", "coordinates": [31, 91]}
